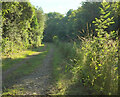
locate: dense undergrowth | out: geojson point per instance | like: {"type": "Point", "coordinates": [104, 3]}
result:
{"type": "Point", "coordinates": [95, 69]}
{"type": "Point", "coordinates": [93, 62]}
{"type": "Point", "coordinates": [64, 84]}
{"type": "Point", "coordinates": [22, 27]}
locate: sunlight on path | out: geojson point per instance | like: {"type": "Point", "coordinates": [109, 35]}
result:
{"type": "Point", "coordinates": [39, 81]}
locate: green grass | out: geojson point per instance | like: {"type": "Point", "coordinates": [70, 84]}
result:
{"type": "Point", "coordinates": [56, 61]}
{"type": "Point", "coordinates": [8, 62]}
{"type": "Point", "coordinates": [90, 66]}
{"type": "Point", "coordinates": [18, 91]}
{"type": "Point", "coordinates": [58, 73]}
{"type": "Point", "coordinates": [63, 79]}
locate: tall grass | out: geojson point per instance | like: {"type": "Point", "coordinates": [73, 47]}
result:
{"type": "Point", "coordinates": [93, 66]}
{"type": "Point", "coordinates": [94, 62]}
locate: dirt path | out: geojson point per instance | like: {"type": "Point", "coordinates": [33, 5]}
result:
{"type": "Point", "coordinates": [9, 71]}
{"type": "Point", "coordinates": [38, 83]}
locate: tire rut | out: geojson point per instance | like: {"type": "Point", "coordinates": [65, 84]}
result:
{"type": "Point", "coordinates": [6, 73]}
{"type": "Point", "coordinates": [39, 82]}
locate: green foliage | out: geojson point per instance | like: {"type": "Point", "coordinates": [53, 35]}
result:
{"type": "Point", "coordinates": [23, 26]}
{"type": "Point", "coordinates": [94, 62]}
{"type": "Point", "coordinates": [65, 49]}
{"type": "Point", "coordinates": [98, 66]}
{"type": "Point", "coordinates": [53, 26]}
{"type": "Point", "coordinates": [91, 66]}
{"type": "Point", "coordinates": [55, 40]}
{"type": "Point", "coordinates": [72, 24]}
{"type": "Point", "coordinates": [68, 27]}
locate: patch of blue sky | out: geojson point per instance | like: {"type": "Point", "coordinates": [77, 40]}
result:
{"type": "Point", "coordinates": [61, 6]}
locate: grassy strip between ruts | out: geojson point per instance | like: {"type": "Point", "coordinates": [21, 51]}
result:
{"type": "Point", "coordinates": [58, 74]}
{"type": "Point", "coordinates": [25, 69]}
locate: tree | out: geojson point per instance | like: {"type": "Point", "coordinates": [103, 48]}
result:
{"type": "Point", "coordinates": [23, 26]}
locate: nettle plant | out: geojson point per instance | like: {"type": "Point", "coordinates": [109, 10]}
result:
{"type": "Point", "coordinates": [101, 55]}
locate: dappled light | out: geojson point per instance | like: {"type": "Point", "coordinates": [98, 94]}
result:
{"type": "Point", "coordinates": [60, 54]}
